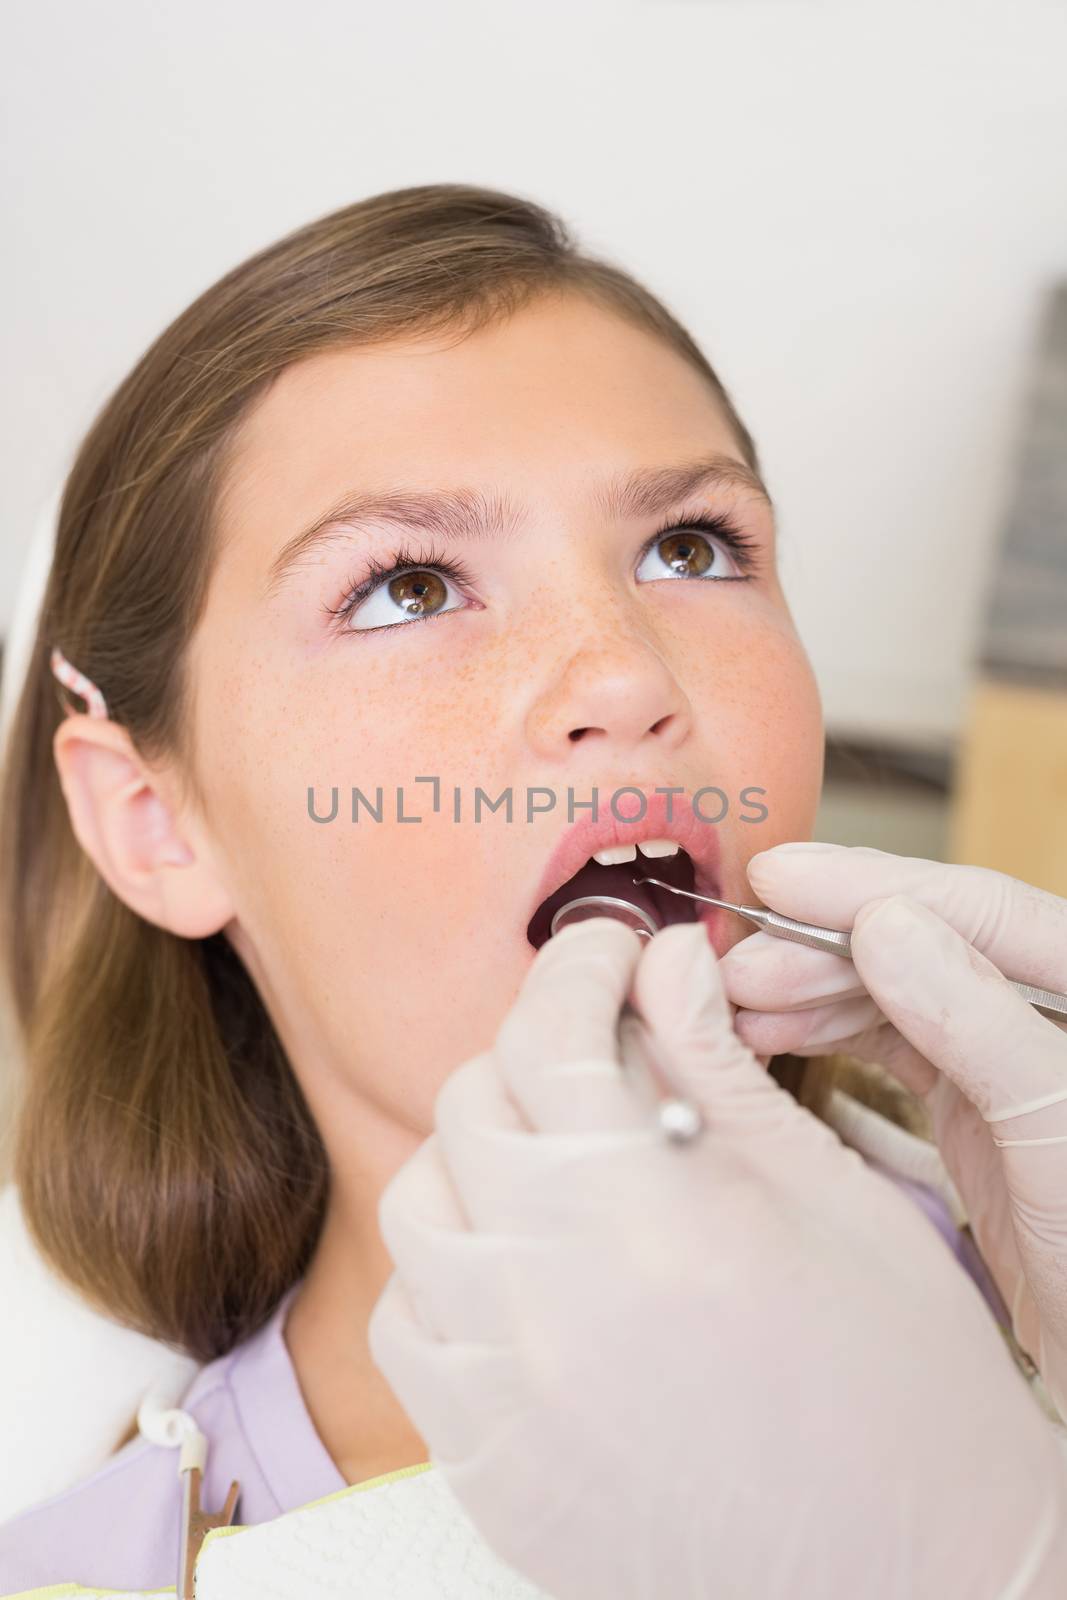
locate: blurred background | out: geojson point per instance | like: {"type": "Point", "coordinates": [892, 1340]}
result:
{"type": "Point", "coordinates": [858, 207]}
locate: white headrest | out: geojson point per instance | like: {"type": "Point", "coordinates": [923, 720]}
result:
{"type": "Point", "coordinates": [71, 1380]}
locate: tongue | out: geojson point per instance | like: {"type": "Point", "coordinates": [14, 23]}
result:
{"type": "Point", "coordinates": [617, 882]}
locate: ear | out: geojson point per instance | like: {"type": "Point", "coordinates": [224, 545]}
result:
{"type": "Point", "coordinates": [160, 865]}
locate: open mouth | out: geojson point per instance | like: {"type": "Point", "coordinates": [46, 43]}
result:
{"type": "Point", "coordinates": [663, 907]}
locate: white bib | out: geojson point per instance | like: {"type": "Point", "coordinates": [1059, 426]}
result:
{"type": "Point", "coordinates": [404, 1537]}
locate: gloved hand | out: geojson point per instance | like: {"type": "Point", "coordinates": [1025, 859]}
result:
{"type": "Point", "coordinates": [925, 998]}
{"type": "Point", "coordinates": [745, 1367]}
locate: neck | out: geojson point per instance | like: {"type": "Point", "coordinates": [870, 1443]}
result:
{"type": "Point", "coordinates": [356, 1414]}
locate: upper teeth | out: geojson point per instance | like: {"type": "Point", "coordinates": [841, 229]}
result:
{"type": "Point", "coordinates": [617, 853]}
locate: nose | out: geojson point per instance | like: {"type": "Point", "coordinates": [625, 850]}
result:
{"type": "Point", "coordinates": [615, 694]}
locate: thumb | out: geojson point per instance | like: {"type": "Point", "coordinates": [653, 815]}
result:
{"type": "Point", "coordinates": [687, 1026]}
{"type": "Point", "coordinates": [959, 1011]}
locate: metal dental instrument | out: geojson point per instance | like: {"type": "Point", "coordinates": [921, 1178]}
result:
{"type": "Point", "coordinates": [604, 905]}
{"type": "Point", "coordinates": [839, 943]}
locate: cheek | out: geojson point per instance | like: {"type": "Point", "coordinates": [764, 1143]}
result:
{"type": "Point", "coordinates": [788, 747]}
{"type": "Point", "coordinates": [273, 730]}
{"type": "Point", "coordinates": [761, 704]}
{"type": "Point", "coordinates": [788, 710]}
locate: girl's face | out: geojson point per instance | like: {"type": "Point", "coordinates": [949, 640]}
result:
{"type": "Point", "coordinates": [566, 654]}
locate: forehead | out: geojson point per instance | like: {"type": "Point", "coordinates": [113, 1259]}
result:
{"type": "Point", "coordinates": [541, 403]}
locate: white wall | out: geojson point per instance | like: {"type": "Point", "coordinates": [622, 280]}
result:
{"type": "Point", "coordinates": [855, 204]}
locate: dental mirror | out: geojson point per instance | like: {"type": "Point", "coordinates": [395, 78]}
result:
{"type": "Point", "coordinates": [603, 905]}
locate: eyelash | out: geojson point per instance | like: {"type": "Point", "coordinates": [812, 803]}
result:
{"type": "Point", "coordinates": [405, 559]}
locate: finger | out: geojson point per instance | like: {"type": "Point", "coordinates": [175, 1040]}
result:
{"type": "Point", "coordinates": [958, 1010]}
{"type": "Point", "coordinates": [765, 973]}
{"type": "Point", "coordinates": [450, 1391]}
{"type": "Point", "coordinates": [558, 1047]}
{"type": "Point", "coordinates": [679, 993]}
{"type": "Point", "coordinates": [882, 1046]}
{"type": "Point", "coordinates": [1021, 929]}
{"type": "Point", "coordinates": [451, 1273]}
{"type": "Point", "coordinates": [824, 1027]}
{"type": "Point", "coordinates": [518, 1181]}
{"type": "Point", "coordinates": [639, 1066]}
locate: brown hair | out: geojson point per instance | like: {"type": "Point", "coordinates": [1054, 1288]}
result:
{"type": "Point", "coordinates": [168, 1165]}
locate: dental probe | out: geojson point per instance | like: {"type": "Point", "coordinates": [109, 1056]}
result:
{"type": "Point", "coordinates": [839, 943]}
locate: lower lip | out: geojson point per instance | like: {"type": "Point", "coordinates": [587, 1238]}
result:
{"type": "Point", "coordinates": [713, 920]}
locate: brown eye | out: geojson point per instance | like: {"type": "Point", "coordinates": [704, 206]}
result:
{"type": "Point", "coordinates": [417, 592]}
{"type": "Point", "coordinates": [685, 553]}
{"type": "Point", "coordinates": [689, 553]}
{"type": "Point", "coordinates": [407, 596]}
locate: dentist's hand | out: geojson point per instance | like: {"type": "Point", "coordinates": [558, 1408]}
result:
{"type": "Point", "coordinates": [925, 998]}
{"type": "Point", "coordinates": [748, 1367]}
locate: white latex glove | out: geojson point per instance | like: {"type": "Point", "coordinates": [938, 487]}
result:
{"type": "Point", "coordinates": [925, 998]}
{"type": "Point", "coordinates": [743, 1368]}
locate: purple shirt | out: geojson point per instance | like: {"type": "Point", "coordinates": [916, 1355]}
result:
{"type": "Point", "coordinates": [119, 1527]}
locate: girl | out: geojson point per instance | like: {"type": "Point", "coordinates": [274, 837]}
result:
{"type": "Point", "coordinates": [419, 501]}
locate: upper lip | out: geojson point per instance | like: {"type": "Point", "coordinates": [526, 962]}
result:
{"type": "Point", "coordinates": [574, 848]}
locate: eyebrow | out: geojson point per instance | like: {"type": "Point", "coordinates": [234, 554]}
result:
{"type": "Point", "coordinates": [473, 514]}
